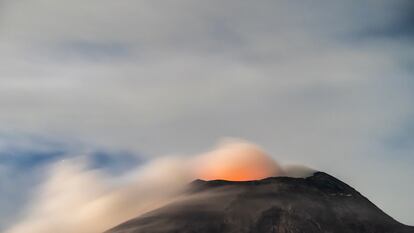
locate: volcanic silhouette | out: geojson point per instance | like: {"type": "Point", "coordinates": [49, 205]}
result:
{"type": "Point", "coordinates": [316, 204]}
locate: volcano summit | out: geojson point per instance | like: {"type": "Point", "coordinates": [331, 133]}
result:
{"type": "Point", "coordinates": [316, 204]}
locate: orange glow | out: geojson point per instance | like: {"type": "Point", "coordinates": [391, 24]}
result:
{"type": "Point", "coordinates": [236, 162]}
{"type": "Point", "coordinates": [234, 174]}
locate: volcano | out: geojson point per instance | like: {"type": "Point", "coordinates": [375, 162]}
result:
{"type": "Point", "coordinates": [316, 204]}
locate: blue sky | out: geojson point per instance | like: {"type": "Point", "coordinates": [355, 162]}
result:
{"type": "Point", "coordinates": [327, 84]}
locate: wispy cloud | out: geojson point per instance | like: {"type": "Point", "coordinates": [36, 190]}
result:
{"type": "Point", "coordinates": [25, 162]}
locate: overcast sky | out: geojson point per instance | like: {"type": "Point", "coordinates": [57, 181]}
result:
{"type": "Point", "coordinates": [328, 84]}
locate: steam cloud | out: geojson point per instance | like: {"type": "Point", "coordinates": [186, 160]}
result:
{"type": "Point", "coordinates": [236, 161]}
{"type": "Point", "coordinates": [75, 199]}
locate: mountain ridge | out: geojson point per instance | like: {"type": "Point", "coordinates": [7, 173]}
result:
{"type": "Point", "coordinates": [316, 204]}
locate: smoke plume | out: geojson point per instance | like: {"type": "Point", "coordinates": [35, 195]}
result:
{"type": "Point", "coordinates": [77, 199]}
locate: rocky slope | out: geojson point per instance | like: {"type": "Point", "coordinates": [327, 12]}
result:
{"type": "Point", "coordinates": [320, 203]}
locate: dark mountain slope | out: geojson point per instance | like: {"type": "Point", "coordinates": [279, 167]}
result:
{"type": "Point", "coordinates": [316, 204]}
